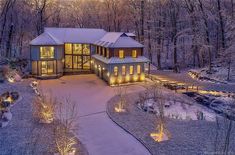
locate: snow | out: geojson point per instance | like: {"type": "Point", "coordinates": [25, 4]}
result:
{"type": "Point", "coordinates": [218, 74]}
{"type": "Point", "coordinates": [96, 131]}
{"type": "Point", "coordinates": [182, 111]}
{"type": "Point", "coordinates": [116, 60]}
{"type": "Point", "coordinates": [45, 39]}
{"type": "Point", "coordinates": [118, 39]}
{"type": "Point", "coordinates": [76, 35]}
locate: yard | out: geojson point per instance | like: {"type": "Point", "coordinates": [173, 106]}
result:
{"type": "Point", "coordinates": [96, 131]}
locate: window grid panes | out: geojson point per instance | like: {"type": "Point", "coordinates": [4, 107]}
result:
{"type": "Point", "coordinates": [115, 71]}
{"type": "Point", "coordinates": [47, 52]}
{"type": "Point", "coordinates": [123, 70]}
{"type": "Point", "coordinates": [131, 70]}
{"type": "Point", "coordinates": [138, 69]}
{"type": "Point", "coordinates": [121, 54]}
{"type": "Point", "coordinates": [134, 53]}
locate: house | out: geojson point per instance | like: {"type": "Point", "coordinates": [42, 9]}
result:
{"type": "Point", "coordinates": [114, 56]}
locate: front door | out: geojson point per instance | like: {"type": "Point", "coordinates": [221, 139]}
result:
{"type": "Point", "coordinates": [47, 67]}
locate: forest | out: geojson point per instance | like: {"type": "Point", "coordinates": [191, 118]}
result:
{"type": "Point", "coordinates": [177, 34]}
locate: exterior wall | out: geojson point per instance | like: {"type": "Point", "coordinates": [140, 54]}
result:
{"type": "Point", "coordinates": [127, 51]}
{"type": "Point", "coordinates": [127, 77]}
{"type": "Point", "coordinates": [36, 60]}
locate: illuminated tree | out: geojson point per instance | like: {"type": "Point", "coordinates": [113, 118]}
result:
{"type": "Point", "coordinates": [121, 94]}
{"type": "Point", "coordinates": [161, 133]}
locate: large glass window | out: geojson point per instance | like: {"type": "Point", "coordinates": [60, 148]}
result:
{"type": "Point", "coordinates": [86, 49]}
{"type": "Point", "coordinates": [77, 56]}
{"type": "Point", "coordinates": [86, 62]}
{"type": "Point", "coordinates": [121, 54]}
{"type": "Point", "coordinates": [134, 53]}
{"type": "Point", "coordinates": [47, 52]}
{"type": "Point", "coordinates": [131, 70]}
{"type": "Point", "coordinates": [115, 71]}
{"type": "Point", "coordinates": [123, 70]}
{"type": "Point", "coordinates": [77, 62]}
{"type": "Point", "coordinates": [138, 69]}
{"type": "Point", "coordinates": [68, 48]}
{"type": "Point", "coordinates": [68, 61]}
{"type": "Point", "coordinates": [47, 67]}
{"type": "Point", "coordinates": [77, 48]}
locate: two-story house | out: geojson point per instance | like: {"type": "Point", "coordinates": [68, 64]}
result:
{"type": "Point", "coordinates": [114, 56]}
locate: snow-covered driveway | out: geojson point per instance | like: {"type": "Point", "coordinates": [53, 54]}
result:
{"type": "Point", "coordinates": [96, 131]}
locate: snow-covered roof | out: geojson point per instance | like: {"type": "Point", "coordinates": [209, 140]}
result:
{"type": "Point", "coordinates": [46, 39]}
{"type": "Point", "coordinates": [76, 35]}
{"type": "Point", "coordinates": [129, 34]}
{"type": "Point", "coordinates": [118, 40]}
{"type": "Point", "coordinates": [59, 36]}
{"type": "Point", "coordinates": [116, 60]}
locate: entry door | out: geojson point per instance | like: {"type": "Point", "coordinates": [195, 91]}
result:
{"type": "Point", "coordinates": [47, 67]}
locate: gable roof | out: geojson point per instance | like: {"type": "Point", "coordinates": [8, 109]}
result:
{"type": "Point", "coordinates": [118, 40]}
{"type": "Point", "coordinates": [77, 35]}
{"type": "Point", "coordinates": [59, 36]}
{"type": "Point", "coordinates": [46, 39]}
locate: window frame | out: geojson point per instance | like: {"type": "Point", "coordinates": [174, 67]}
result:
{"type": "Point", "coordinates": [134, 53]}
{"type": "Point", "coordinates": [123, 70]}
{"type": "Point", "coordinates": [47, 54]}
{"type": "Point", "coordinates": [121, 54]}
{"type": "Point", "coordinates": [115, 70]}
{"type": "Point", "coordinates": [131, 70]}
{"type": "Point", "coordinates": [138, 69]}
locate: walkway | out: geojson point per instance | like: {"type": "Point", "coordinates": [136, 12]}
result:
{"type": "Point", "coordinates": [96, 131]}
{"type": "Point", "coordinates": [185, 78]}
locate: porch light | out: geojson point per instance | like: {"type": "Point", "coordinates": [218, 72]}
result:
{"type": "Point", "coordinates": [108, 74]}
{"type": "Point", "coordinates": [103, 68]}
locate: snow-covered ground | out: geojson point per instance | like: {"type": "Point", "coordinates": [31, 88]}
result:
{"type": "Point", "coordinates": [183, 111]}
{"type": "Point", "coordinates": [178, 106]}
{"type": "Point", "coordinates": [96, 131]}
{"type": "Point", "coordinates": [183, 77]}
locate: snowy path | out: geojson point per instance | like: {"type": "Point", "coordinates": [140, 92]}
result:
{"type": "Point", "coordinates": [184, 77]}
{"type": "Point", "coordinates": [96, 131]}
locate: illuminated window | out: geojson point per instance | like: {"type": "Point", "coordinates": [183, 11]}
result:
{"type": "Point", "coordinates": [131, 70]}
{"type": "Point", "coordinates": [121, 54]}
{"type": "Point", "coordinates": [47, 52]}
{"type": "Point", "coordinates": [138, 69]}
{"type": "Point", "coordinates": [47, 67]}
{"type": "Point", "coordinates": [134, 53]}
{"type": "Point", "coordinates": [123, 70]}
{"type": "Point", "coordinates": [115, 71]}
{"type": "Point", "coordinates": [86, 49]}
{"type": "Point", "coordinates": [107, 54]}
{"type": "Point", "coordinates": [68, 48]}
{"type": "Point", "coordinates": [77, 48]}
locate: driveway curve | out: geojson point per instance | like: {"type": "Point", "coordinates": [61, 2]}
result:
{"type": "Point", "coordinates": [96, 131]}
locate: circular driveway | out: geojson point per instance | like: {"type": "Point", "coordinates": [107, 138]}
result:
{"type": "Point", "coordinates": [96, 131]}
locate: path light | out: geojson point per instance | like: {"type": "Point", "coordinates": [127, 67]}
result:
{"type": "Point", "coordinates": [162, 134]}
{"type": "Point", "coordinates": [11, 79]}
{"type": "Point", "coordinates": [120, 107]}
